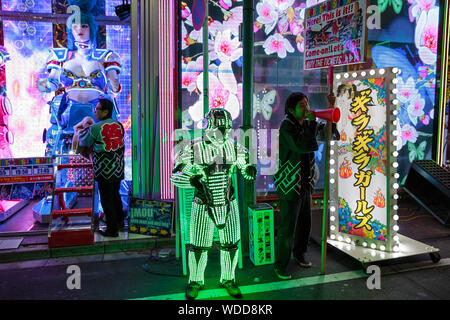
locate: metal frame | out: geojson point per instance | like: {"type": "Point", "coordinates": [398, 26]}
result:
{"type": "Point", "coordinates": [442, 78]}
{"type": "Point", "coordinates": [50, 225]}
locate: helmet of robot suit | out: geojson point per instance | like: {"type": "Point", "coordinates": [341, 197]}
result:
{"type": "Point", "coordinates": [217, 125]}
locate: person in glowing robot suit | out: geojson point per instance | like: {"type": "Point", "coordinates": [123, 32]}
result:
{"type": "Point", "coordinates": [207, 164]}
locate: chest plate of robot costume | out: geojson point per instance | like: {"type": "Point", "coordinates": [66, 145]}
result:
{"type": "Point", "coordinates": [215, 157]}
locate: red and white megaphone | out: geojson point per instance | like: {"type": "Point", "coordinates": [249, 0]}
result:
{"type": "Point", "coordinates": [332, 114]}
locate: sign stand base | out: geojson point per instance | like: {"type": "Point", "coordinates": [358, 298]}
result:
{"type": "Point", "coordinates": [366, 255]}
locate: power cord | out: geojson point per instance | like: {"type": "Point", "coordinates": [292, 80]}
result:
{"type": "Point", "coordinates": [152, 258]}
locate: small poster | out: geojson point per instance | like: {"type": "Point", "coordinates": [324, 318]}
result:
{"type": "Point", "coordinates": [26, 178]}
{"type": "Point", "coordinates": [336, 34]}
{"type": "Point", "coordinates": [150, 217]}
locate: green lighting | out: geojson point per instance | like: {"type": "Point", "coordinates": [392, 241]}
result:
{"type": "Point", "coordinates": [208, 164]}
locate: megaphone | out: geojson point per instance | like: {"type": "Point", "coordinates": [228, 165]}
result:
{"type": "Point", "coordinates": [332, 114]}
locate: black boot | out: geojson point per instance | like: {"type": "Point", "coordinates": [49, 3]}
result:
{"type": "Point", "coordinates": [192, 290]}
{"type": "Point", "coordinates": [232, 289]}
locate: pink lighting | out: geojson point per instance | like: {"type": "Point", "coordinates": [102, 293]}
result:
{"type": "Point", "coordinates": [167, 96]}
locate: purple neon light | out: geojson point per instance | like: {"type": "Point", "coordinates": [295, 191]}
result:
{"type": "Point", "coordinates": [166, 94]}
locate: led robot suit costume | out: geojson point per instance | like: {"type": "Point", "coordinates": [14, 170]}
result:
{"type": "Point", "coordinates": [207, 164]}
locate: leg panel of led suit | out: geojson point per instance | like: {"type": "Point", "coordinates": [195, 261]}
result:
{"type": "Point", "coordinates": [201, 238]}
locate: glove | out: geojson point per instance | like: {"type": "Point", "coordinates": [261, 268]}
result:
{"type": "Point", "coordinates": [195, 182]}
{"type": "Point", "coordinates": [251, 172]}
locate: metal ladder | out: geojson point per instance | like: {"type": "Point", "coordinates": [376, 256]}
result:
{"type": "Point", "coordinates": [70, 236]}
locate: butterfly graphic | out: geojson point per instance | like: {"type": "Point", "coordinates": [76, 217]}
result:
{"type": "Point", "coordinates": [396, 5]}
{"type": "Point", "coordinates": [319, 153]}
{"type": "Point", "coordinates": [264, 104]}
{"type": "Point", "coordinates": [417, 152]}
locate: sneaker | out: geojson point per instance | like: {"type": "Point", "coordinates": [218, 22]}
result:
{"type": "Point", "coordinates": [282, 274]}
{"type": "Point", "coordinates": [232, 289]}
{"type": "Point", "coordinates": [303, 262]}
{"type": "Point", "coordinates": [192, 290]}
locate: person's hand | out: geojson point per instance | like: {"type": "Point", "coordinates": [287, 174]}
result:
{"type": "Point", "coordinates": [87, 122]}
{"type": "Point", "coordinates": [331, 99]}
{"type": "Point", "coordinates": [309, 114]}
{"type": "Point", "coordinates": [195, 181]}
{"type": "Point", "coordinates": [42, 86]}
{"type": "Point", "coordinates": [251, 172]}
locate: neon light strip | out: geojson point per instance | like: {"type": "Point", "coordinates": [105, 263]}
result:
{"type": "Point", "coordinates": [267, 287]}
{"type": "Point", "coordinates": [166, 95]}
{"type": "Point", "coordinates": [443, 94]}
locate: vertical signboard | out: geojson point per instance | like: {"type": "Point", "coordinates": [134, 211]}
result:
{"type": "Point", "coordinates": [363, 179]}
{"type": "Point", "coordinates": [336, 33]}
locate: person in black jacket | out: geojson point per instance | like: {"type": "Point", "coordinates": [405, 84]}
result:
{"type": "Point", "coordinates": [295, 180]}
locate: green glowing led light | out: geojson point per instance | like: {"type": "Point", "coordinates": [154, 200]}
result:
{"type": "Point", "coordinates": [212, 162]}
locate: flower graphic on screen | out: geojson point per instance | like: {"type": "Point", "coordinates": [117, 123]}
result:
{"type": "Point", "coordinates": [189, 75]}
{"type": "Point", "coordinates": [290, 20]}
{"type": "Point", "coordinates": [185, 10]}
{"type": "Point", "coordinates": [418, 6]}
{"type": "Point", "coordinates": [220, 96]}
{"type": "Point", "coordinates": [227, 49]}
{"type": "Point", "coordinates": [267, 15]}
{"type": "Point", "coordinates": [225, 4]}
{"type": "Point", "coordinates": [408, 134]}
{"type": "Point", "coordinates": [233, 19]}
{"type": "Point", "coordinates": [406, 91]}
{"type": "Point", "coordinates": [426, 36]}
{"type": "Point", "coordinates": [279, 45]}
{"type": "Point", "coordinates": [415, 109]}
{"type": "Point", "coordinates": [283, 5]}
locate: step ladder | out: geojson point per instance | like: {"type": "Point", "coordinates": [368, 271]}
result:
{"type": "Point", "coordinates": [70, 235]}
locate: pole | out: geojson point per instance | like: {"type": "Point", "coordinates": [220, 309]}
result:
{"type": "Point", "coordinates": [326, 190]}
{"type": "Point", "coordinates": [247, 194]}
{"type": "Point", "coordinates": [205, 62]}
